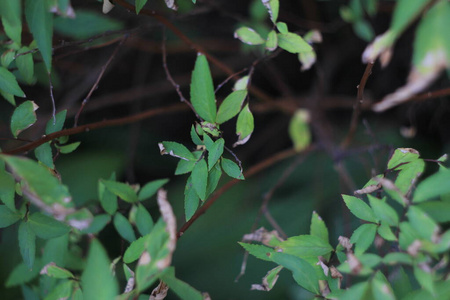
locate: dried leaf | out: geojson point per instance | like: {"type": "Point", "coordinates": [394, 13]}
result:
{"type": "Point", "coordinates": [159, 292]}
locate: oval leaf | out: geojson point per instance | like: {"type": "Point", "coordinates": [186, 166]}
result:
{"type": "Point", "coordinates": [293, 43]}
{"type": "Point", "coordinates": [23, 117]}
{"type": "Point", "coordinates": [231, 106]}
{"type": "Point", "coordinates": [202, 90]}
{"type": "Point", "coordinates": [248, 36]}
{"type": "Point", "coordinates": [8, 83]}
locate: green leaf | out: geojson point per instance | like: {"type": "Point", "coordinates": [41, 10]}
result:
{"type": "Point", "coordinates": [293, 43]}
{"type": "Point", "coordinates": [47, 227]}
{"type": "Point", "coordinates": [69, 148]}
{"type": "Point", "coordinates": [408, 175]}
{"type": "Point", "coordinates": [54, 125]}
{"type": "Point", "coordinates": [299, 130]}
{"type": "Point", "coordinates": [27, 244]}
{"type": "Point", "coordinates": [405, 12]}
{"type": "Point", "coordinates": [434, 186]}
{"type": "Point", "coordinates": [268, 281]}
{"type": "Point", "coordinates": [272, 41]}
{"type": "Point", "coordinates": [425, 279]}
{"type": "Point", "coordinates": [134, 251]}
{"type": "Point", "coordinates": [381, 289]}
{"type": "Point", "coordinates": [407, 235]}
{"type": "Point", "coordinates": [273, 6]}
{"type": "Point", "coordinates": [394, 258]}
{"type": "Point", "coordinates": [150, 188]}
{"type": "Point", "coordinates": [8, 217]}
{"type": "Point", "coordinates": [44, 154]}
{"type": "Point", "coordinates": [425, 227]}
{"type": "Point", "coordinates": [139, 5]}
{"type": "Point", "coordinates": [437, 210]}
{"type": "Point", "coordinates": [191, 199]}
{"type": "Point", "coordinates": [241, 84]}
{"type": "Point", "coordinates": [215, 152]}
{"type": "Point", "coordinates": [231, 169]}
{"type": "Point", "coordinates": [9, 97]}
{"type": "Point", "coordinates": [98, 223]}
{"type": "Point", "coordinates": [86, 24]}
{"type": "Point", "coordinates": [369, 260]}
{"type": "Point", "coordinates": [108, 200]}
{"type": "Point", "coordinates": [386, 232]}
{"type": "Point", "coordinates": [359, 208]}
{"type": "Point", "coordinates": [231, 106]}
{"type": "Point", "coordinates": [124, 227]}
{"type": "Point", "coordinates": [39, 182]}
{"type": "Point", "coordinates": [259, 251]}
{"type": "Point", "coordinates": [56, 250]}
{"type": "Point", "coordinates": [181, 288]}
{"type": "Point", "coordinates": [383, 211]}
{"type": "Point", "coordinates": [122, 190]}
{"type": "Point", "coordinates": [318, 227]}
{"type": "Point", "coordinates": [97, 281]}
{"type": "Point", "coordinates": [202, 90]}
{"type": "Point", "coordinates": [61, 291]}
{"type": "Point", "coordinates": [402, 156]}
{"type": "Point", "coordinates": [282, 27]}
{"type": "Point", "coordinates": [194, 136]}
{"type": "Point", "coordinates": [22, 274]}
{"type": "Point", "coordinates": [306, 246]}
{"type": "Point", "coordinates": [7, 190]}
{"type": "Point", "coordinates": [302, 271]}
{"type": "Point", "coordinates": [176, 150]}
{"type": "Point", "coordinates": [363, 237]}
{"type": "Point", "coordinates": [363, 29]}
{"type": "Point", "coordinates": [200, 178]}
{"type": "Point", "coordinates": [186, 166]}
{"type": "Point", "coordinates": [359, 291]}
{"type": "Point", "coordinates": [307, 59]}
{"type": "Point", "coordinates": [40, 22]}
{"type": "Point", "coordinates": [8, 83]}
{"type": "Point", "coordinates": [244, 126]}
{"type": "Point", "coordinates": [213, 179]}
{"type": "Point", "coordinates": [248, 36]}
{"type": "Point", "coordinates": [23, 117]}
{"type": "Point", "coordinates": [25, 65]}
{"type": "Point", "coordinates": [11, 12]}
{"type": "Point", "coordinates": [144, 221]}
{"type": "Point", "coordinates": [401, 284]}
{"type": "Point", "coordinates": [52, 270]}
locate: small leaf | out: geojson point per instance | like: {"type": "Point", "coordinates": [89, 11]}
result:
{"type": "Point", "coordinates": [124, 228]}
{"type": "Point", "coordinates": [57, 124]}
{"type": "Point", "coordinates": [231, 106]}
{"type": "Point", "coordinates": [244, 126]}
{"type": "Point", "coordinates": [25, 65]}
{"type": "Point", "coordinates": [144, 221]}
{"type": "Point", "coordinates": [194, 136]}
{"type": "Point", "coordinates": [47, 227]}
{"type": "Point", "coordinates": [282, 27]}
{"type": "Point", "coordinates": [248, 36]}
{"type": "Point", "coordinates": [23, 117]}
{"type": "Point", "coordinates": [7, 190]}
{"type": "Point", "coordinates": [181, 288]}
{"type": "Point", "coordinates": [97, 281]}
{"type": "Point", "coordinates": [386, 232]}
{"type": "Point", "coordinates": [293, 43]}
{"type": "Point", "coordinates": [8, 83]}
{"type": "Point", "coordinates": [98, 223]}
{"type": "Point", "coordinates": [69, 148]}
{"type": "Point", "coordinates": [359, 208]}
{"type": "Point", "coordinates": [202, 90]}
{"type": "Point", "coordinates": [40, 22]}
{"type": "Point", "coordinates": [318, 227]}
{"type": "Point", "coordinates": [232, 169]}
{"type": "Point", "coordinates": [363, 237]}
{"type": "Point", "coordinates": [8, 217]}
{"type": "Point", "coordinates": [425, 279]}
{"type": "Point", "coordinates": [213, 179]}
{"type": "Point", "coordinates": [191, 199]}
{"type": "Point", "coordinates": [44, 154]}
{"type": "Point", "coordinates": [273, 6]}
{"type": "Point", "coordinates": [299, 130]}
{"type": "Point", "coordinates": [122, 190]}
{"type": "Point", "coordinates": [176, 150]}
{"type": "Point", "coordinates": [27, 244]}
{"type": "Point", "coordinates": [383, 211]}
{"type": "Point", "coordinates": [381, 288]}
{"type": "Point", "coordinates": [268, 281]}
{"type": "Point", "coordinates": [108, 200]}
{"type": "Point", "coordinates": [259, 251]}
{"type": "Point", "coordinates": [307, 59]}
{"type": "Point", "coordinates": [241, 84]}
{"type": "Point", "coordinates": [134, 251]}
{"type": "Point", "coordinates": [215, 152]}
{"type": "Point", "coordinates": [186, 166]}
{"type": "Point", "coordinates": [150, 188]}
{"type": "Point", "coordinates": [200, 178]}
{"type": "Point", "coordinates": [139, 5]}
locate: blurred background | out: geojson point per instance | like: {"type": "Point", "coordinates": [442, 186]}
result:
{"type": "Point", "coordinates": [208, 256]}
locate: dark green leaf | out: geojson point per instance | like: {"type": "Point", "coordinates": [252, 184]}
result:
{"type": "Point", "coordinates": [23, 117]}
{"type": "Point", "coordinates": [8, 217]}
{"type": "Point", "coordinates": [293, 43]}
{"type": "Point", "coordinates": [40, 22]}
{"type": "Point", "coordinates": [144, 221]}
{"type": "Point", "coordinates": [181, 288]}
{"type": "Point", "coordinates": [318, 227]}
{"type": "Point", "coordinates": [202, 90]}
{"type": "Point", "coordinates": [62, 291]}
{"type": "Point", "coordinates": [394, 258]}
{"type": "Point", "coordinates": [191, 199]}
{"type": "Point", "coordinates": [98, 223]}
{"type": "Point", "coordinates": [7, 190]}
{"type": "Point", "coordinates": [194, 136]}
{"type": "Point", "coordinates": [400, 283]}
{"type": "Point", "coordinates": [44, 154]}
{"type": "Point", "coordinates": [54, 125]}
{"type": "Point", "coordinates": [22, 274]}
{"type": "Point", "coordinates": [200, 178]}
{"type": "Point", "coordinates": [383, 211]}
{"type": "Point", "coordinates": [122, 190]}
{"type": "Point", "coordinates": [27, 244]}
{"type": "Point", "coordinates": [52, 270]}
{"type": "Point", "coordinates": [11, 13]}
{"type": "Point", "coordinates": [213, 179]}
{"type": "Point", "coordinates": [9, 97]}
{"type": "Point", "coordinates": [248, 36]}
{"type": "Point", "coordinates": [305, 246]}
{"type": "Point", "coordinates": [359, 291]}
{"type": "Point", "coordinates": [124, 227]}
{"type": "Point", "coordinates": [359, 208]}
{"type": "Point", "coordinates": [425, 279]}
{"type": "Point", "coordinates": [244, 126]}
{"type": "Point", "coordinates": [407, 235]}
{"type": "Point", "coordinates": [108, 200]}
{"type": "Point", "coordinates": [231, 106]}
{"type": "Point", "coordinates": [25, 65]}
{"type": "Point", "coordinates": [97, 281]}
{"type": "Point", "coordinates": [8, 83]}
{"type": "Point", "coordinates": [139, 5]}
{"type": "Point", "coordinates": [215, 152]}
{"type": "Point", "coordinates": [56, 250]}
{"type": "Point", "coordinates": [47, 227]}
{"type": "Point", "coordinates": [176, 150]}
{"type": "Point", "coordinates": [28, 293]}
{"type": "Point", "coordinates": [363, 237]}
{"type": "Point", "coordinates": [259, 251]}
{"type": "Point", "coordinates": [149, 189]}
{"type": "Point", "coordinates": [231, 169]}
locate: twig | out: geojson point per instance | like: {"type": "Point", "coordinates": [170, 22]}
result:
{"type": "Point", "coordinates": [228, 79]}
{"type": "Point", "coordinates": [94, 87]}
{"type": "Point", "coordinates": [357, 106]}
{"type": "Point", "coordinates": [52, 97]}
{"type": "Point", "coordinates": [97, 125]}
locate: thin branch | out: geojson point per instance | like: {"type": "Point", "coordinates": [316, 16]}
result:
{"type": "Point", "coordinates": [94, 87]}
{"type": "Point", "coordinates": [97, 125]}
{"type": "Point", "coordinates": [357, 106]}
{"type": "Point", "coordinates": [50, 83]}
{"type": "Point", "coordinates": [228, 79]}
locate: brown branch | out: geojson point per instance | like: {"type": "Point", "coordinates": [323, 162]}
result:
{"type": "Point", "coordinates": [251, 171]}
{"type": "Point", "coordinates": [357, 106]}
{"type": "Point", "coordinates": [97, 125]}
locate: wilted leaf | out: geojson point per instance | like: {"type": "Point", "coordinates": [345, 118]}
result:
{"type": "Point", "coordinates": [299, 130]}
{"type": "Point", "coordinates": [248, 36]}
{"type": "Point", "coordinates": [273, 6]}
{"type": "Point", "coordinates": [308, 59]}
{"type": "Point", "coordinates": [23, 116]}
{"type": "Point", "coordinates": [202, 90]}
{"type": "Point", "coordinates": [268, 281]}
{"type": "Point", "coordinates": [181, 288]}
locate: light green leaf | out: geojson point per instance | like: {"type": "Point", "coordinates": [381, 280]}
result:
{"type": "Point", "coordinates": [144, 221]}
{"type": "Point", "coordinates": [40, 22]}
{"type": "Point", "coordinates": [363, 237]}
{"type": "Point", "coordinates": [7, 190]}
{"type": "Point", "coordinates": [231, 106]}
{"type": "Point", "coordinates": [8, 83]}
{"type": "Point", "coordinates": [405, 12]}
{"type": "Point", "coordinates": [98, 223]}
{"type": "Point", "coordinates": [248, 36]}
{"type": "Point", "coordinates": [273, 6]}
{"type": "Point", "coordinates": [122, 190]}
{"type": "Point", "coordinates": [108, 200]}
{"type": "Point", "coordinates": [359, 208]}
{"type": "Point", "coordinates": [69, 148]}
{"type": "Point", "coordinates": [318, 227]}
{"type": "Point", "coordinates": [134, 251]}
{"type": "Point", "coordinates": [425, 227]}
{"type": "Point", "coordinates": [383, 211]}
{"type": "Point", "coordinates": [54, 125]}
{"type": "Point", "coordinates": [407, 235]}
{"type": "Point", "coordinates": [231, 169]}
{"type": "Point", "coordinates": [11, 12]}
{"type": "Point", "coordinates": [302, 271]}
{"type": "Point", "coordinates": [191, 199]}
{"type": "Point", "coordinates": [282, 27]}
{"type": "Point", "coordinates": [306, 246]}
{"type": "Point", "coordinates": [181, 288]}
{"type": "Point", "coordinates": [52, 270]}
{"type": "Point", "coordinates": [215, 152]}
{"type": "Point", "coordinates": [299, 130]}
{"type": "Point", "coordinates": [363, 29]}
{"type": "Point", "coordinates": [8, 217]}
{"type": "Point", "coordinates": [433, 186]}
{"type": "Point", "coordinates": [386, 232]}
{"type": "Point", "coordinates": [150, 188]}
{"type": "Point", "coordinates": [293, 43]}
{"type": "Point", "coordinates": [200, 178]}
{"type": "Point", "coordinates": [27, 244]}
{"type": "Point", "coordinates": [139, 5]}
{"type": "Point", "coordinates": [97, 281]}
{"type": "Point", "coordinates": [402, 156]}
{"type": "Point", "coordinates": [23, 117]}
{"type": "Point", "coordinates": [44, 154]}
{"type": "Point", "coordinates": [241, 84]}
{"type": "Point", "coordinates": [124, 228]}
{"type": "Point", "coordinates": [176, 150]}
{"type": "Point", "coordinates": [47, 227]}
{"type": "Point", "coordinates": [202, 90]}
{"type": "Point", "coordinates": [244, 126]}
{"type": "Point", "coordinates": [86, 24]}
{"type": "Point", "coordinates": [259, 251]}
